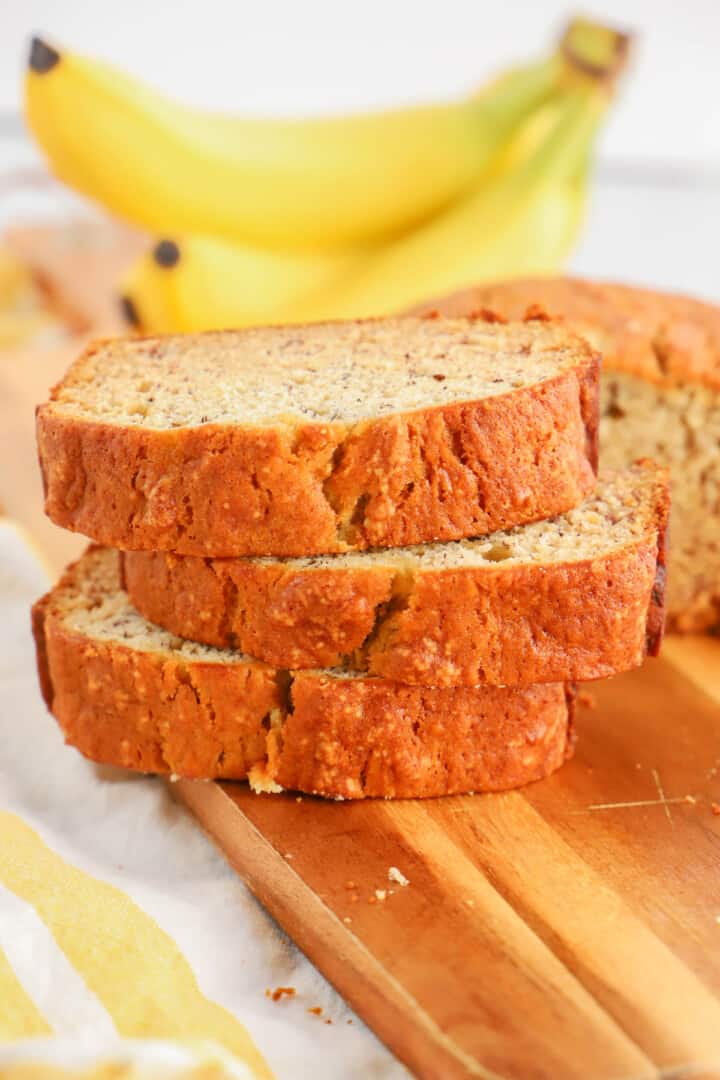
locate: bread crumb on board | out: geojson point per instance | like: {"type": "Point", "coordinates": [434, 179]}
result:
{"type": "Point", "coordinates": [715, 807]}
{"type": "Point", "coordinates": [261, 783]}
{"type": "Point", "coordinates": [397, 876]}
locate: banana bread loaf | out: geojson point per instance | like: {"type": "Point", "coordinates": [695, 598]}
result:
{"type": "Point", "coordinates": [324, 438]}
{"type": "Point", "coordinates": [128, 693]}
{"type": "Point", "coordinates": [660, 398]}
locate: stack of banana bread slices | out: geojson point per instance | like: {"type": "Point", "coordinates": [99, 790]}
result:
{"type": "Point", "coordinates": [354, 559]}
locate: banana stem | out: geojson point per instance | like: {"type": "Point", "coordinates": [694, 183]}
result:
{"type": "Point", "coordinates": [595, 50]}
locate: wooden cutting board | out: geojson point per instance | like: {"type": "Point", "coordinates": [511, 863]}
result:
{"type": "Point", "coordinates": [570, 930]}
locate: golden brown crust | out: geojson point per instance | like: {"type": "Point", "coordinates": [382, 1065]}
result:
{"type": "Point", "coordinates": [370, 737]}
{"type": "Point", "coordinates": [661, 337]}
{"type": "Point", "coordinates": [292, 619]}
{"type": "Point", "coordinates": [440, 473]}
{"type": "Point", "coordinates": [43, 667]}
{"type": "Point", "coordinates": [655, 628]}
{"type": "Point", "coordinates": [153, 713]}
{"type": "Point", "coordinates": [497, 623]}
{"type": "Point", "coordinates": [158, 712]}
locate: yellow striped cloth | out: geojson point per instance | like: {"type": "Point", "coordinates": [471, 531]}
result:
{"type": "Point", "coordinates": [118, 921]}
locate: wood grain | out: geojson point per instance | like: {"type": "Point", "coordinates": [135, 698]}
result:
{"type": "Point", "coordinates": [551, 933]}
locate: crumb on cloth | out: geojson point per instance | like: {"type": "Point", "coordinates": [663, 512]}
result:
{"type": "Point", "coordinates": [280, 992]}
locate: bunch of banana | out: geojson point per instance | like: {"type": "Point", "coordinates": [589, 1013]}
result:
{"type": "Point", "coordinates": [285, 220]}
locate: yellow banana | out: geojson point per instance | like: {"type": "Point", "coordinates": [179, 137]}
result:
{"type": "Point", "coordinates": [201, 283]}
{"type": "Point", "coordinates": [329, 182]}
{"type": "Point", "coordinates": [523, 222]}
{"type": "Point", "coordinates": [519, 224]}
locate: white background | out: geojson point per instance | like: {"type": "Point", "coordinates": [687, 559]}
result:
{"type": "Point", "coordinates": [655, 216]}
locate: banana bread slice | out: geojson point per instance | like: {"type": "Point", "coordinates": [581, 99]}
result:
{"type": "Point", "coordinates": [660, 398]}
{"type": "Point", "coordinates": [574, 598]}
{"type": "Point", "coordinates": [128, 693]}
{"type": "Point", "coordinates": [323, 438]}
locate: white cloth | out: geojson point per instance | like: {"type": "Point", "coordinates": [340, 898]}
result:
{"type": "Point", "coordinates": [127, 831]}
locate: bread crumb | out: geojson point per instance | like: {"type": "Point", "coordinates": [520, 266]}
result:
{"type": "Point", "coordinates": [316, 1010]}
{"type": "Point", "coordinates": [280, 992]}
{"type": "Point", "coordinates": [469, 902]}
{"type": "Point", "coordinates": [347, 920]}
{"type": "Point", "coordinates": [372, 900]}
{"type": "Point", "coordinates": [174, 778]}
{"type": "Point", "coordinates": [715, 807]}
{"type": "Point", "coordinates": [536, 312]}
{"type": "Point", "coordinates": [483, 314]}
{"type": "Point", "coordinates": [380, 894]}
{"type": "Point", "coordinates": [298, 798]}
{"type": "Point", "coordinates": [328, 1021]}
{"type": "Point", "coordinates": [260, 782]}
{"type": "Point", "coordinates": [397, 876]}
{"type": "Point", "coordinates": [350, 885]}
{"type": "Point", "coordinates": [287, 855]}
{"type": "Point", "coordinates": [690, 799]}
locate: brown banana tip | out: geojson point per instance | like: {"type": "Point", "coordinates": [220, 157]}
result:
{"type": "Point", "coordinates": [129, 311]}
{"type": "Point", "coordinates": [43, 57]}
{"type": "Point", "coordinates": [167, 253]}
